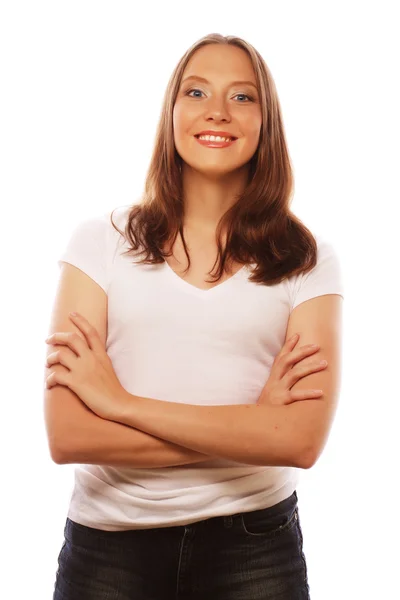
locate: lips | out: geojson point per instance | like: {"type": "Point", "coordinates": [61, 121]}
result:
{"type": "Point", "coordinates": [225, 134]}
{"type": "Point", "coordinates": [215, 143]}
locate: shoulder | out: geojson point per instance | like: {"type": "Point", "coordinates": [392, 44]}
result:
{"type": "Point", "coordinates": [324, 278]}
{"type": "Point", "coordinates": [326, 247]}
{"type": "Point", "coordinates": [117, 220]}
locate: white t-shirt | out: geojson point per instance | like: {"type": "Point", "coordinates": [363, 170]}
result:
{"type": "Point", "coordinates": [171, 341]}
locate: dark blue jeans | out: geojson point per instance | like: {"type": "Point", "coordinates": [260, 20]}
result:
{"type": "Point", "coordinates": [248, 556]}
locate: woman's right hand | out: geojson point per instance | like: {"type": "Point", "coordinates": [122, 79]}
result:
{"type": "Point", "coordinates": [286, 370]}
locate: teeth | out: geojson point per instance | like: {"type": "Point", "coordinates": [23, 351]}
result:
{"type": "Point", "coordinates": [214, 138]}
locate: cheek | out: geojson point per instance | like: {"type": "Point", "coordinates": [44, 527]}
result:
{"type": "Point", "coordinates": [181, 120]}
{"type": "Point", "coordinates": [253, 128]}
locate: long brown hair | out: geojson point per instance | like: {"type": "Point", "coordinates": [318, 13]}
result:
{"type": "Point", "coordinates": [260, 227]}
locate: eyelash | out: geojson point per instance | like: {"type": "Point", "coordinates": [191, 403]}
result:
{"type": "Point", "coordinates": [239, 94]}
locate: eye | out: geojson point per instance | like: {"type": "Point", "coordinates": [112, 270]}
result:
{"type": "Point", "coordinates": [249, 98]}
{"type": "Point", "coordinates": [193, 90]}
{"type": "Point", "coordinates": [246, 96]}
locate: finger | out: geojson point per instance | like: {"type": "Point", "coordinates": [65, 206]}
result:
{"type": "Point", "coordinates": [68, 338]}
{"type": "Point", "coordinates": [300, 371]}
{"type": "Point", "coordinates": [306, 394]}
{"type": "Point", "coordinates": [306, 369]}
{"type": "Point", "coordinates": [63, 357]}
{"type": "Point", "coordinates": [57, 378]}
{"type": "Point", "coordinates": [299, 354]}
{"type": "Point", "coordinates": [91, 334]}
{"type": "Point", "coordinates": [280, 366]}
{"type": "Point", "coordinates": [296, 396]}
{"type": "Point", "coordinates": [291, 342]}
{"type": "Point", "coordinates": [52, 359]}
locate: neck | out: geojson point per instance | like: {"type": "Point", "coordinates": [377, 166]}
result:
{"type": "Point", "coordinates": [206, 199]}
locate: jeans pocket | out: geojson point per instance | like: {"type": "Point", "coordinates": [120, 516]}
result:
{"type": "Point", "coordinates": [272, 521]}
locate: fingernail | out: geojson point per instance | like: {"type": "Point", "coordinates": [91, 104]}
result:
{"type": "Point", "coordinates": [73, 314]}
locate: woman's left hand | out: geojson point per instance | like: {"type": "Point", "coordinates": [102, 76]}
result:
{"type": "Point", "coordinates": [91, 374]}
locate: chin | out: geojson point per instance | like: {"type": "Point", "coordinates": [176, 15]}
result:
{"type": "Point", "coordinates": [214, 170]}
{"type": "Point", "coordinates": [215, 173]}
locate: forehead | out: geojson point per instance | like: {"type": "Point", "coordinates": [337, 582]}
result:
{"type": "Point", "coordinates": [225, 61]}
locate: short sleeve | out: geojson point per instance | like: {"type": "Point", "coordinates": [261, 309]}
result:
{"type": "Point", "coordinates": [87, 249]}
{"type": "Point", "coordinates": [325, 278]}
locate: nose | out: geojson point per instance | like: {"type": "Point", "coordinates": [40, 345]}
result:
{"type": "Point", "coordinates": [218, 112]}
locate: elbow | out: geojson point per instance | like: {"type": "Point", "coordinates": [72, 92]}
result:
{"type": "Point", "coordinates": [307, 458]}
{"type": "Point", "coordinates": [54, 449]}
{"type": "Point", "coordinates": [299, 459]}
{"type": "Point", "coordinates": [58, 454]}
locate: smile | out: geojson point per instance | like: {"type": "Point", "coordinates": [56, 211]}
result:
{"type": "Point", "coordinates": [215, 141]}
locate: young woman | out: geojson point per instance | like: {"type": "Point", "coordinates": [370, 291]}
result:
{"type": "Point", "coordinates": [185, 400]}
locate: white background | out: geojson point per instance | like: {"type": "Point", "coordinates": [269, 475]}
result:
{"type": "Point", "coordinates": [81, 89]}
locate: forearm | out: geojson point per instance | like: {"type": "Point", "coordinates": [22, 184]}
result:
{"type": "Point", "coordinates": [101, 442]}
{"type": "Point", "coordinates": [257, 434]}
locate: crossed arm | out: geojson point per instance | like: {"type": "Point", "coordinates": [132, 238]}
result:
{"type": "Point", "coordinates": [291, 435]}
{"type": "Point", "coordinates": [98, 441]}
{"type": "Point", "coordinates": [114, 444]}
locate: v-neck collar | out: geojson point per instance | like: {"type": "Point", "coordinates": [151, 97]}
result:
{"type": "Point", "coordinates": [199, 292]}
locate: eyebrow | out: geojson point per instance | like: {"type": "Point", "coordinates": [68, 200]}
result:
{"type": "Point", "coordinates": [206, 81]}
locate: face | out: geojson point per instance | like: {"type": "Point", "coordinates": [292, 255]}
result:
{"type": "Point", "coordinates": [218, 92]}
